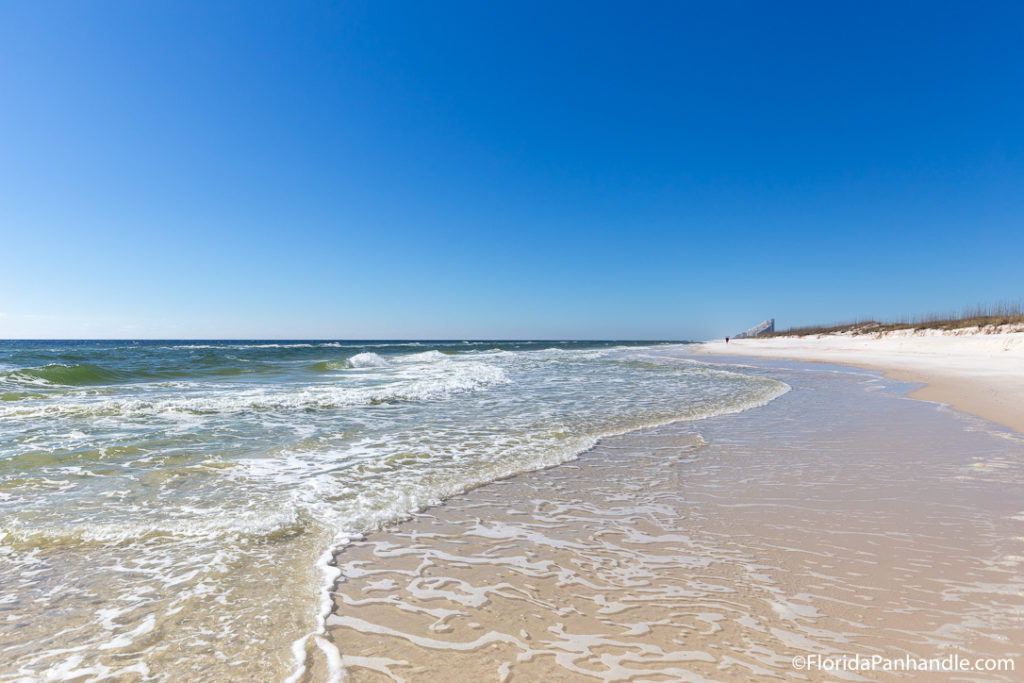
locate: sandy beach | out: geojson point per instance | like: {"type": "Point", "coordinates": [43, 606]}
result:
{"type": "Point", "coordinates": [358, 341]}
{"type": "Point", "coordinates": [840, 520]}
{"type": "Point", "coordinates": [978, 373]}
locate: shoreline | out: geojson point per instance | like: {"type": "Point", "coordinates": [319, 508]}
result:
{"type": "Point", "coordinates": [980, 374]}
{"type": "Point", "coordinates": [838, 519]}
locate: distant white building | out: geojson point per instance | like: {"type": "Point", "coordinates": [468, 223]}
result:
{"type": "Point", "coordinates": [767, 327]}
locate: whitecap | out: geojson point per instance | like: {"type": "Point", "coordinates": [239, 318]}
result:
{"type": "Point", "coordinates": [367, 359]}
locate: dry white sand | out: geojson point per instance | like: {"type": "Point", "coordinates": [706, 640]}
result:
{"type": "Point", "coordinates": [981, 374]}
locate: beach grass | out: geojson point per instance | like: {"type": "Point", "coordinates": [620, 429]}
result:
{"type": "Point", "coordinates": [980, 316]}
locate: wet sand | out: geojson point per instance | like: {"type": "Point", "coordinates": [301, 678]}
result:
{"type": "Point", "coordinates": [840, 519]}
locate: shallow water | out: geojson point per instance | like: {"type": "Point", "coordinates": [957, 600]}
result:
{"type": "Point", "coordinates": [166, 508]}
{"type": "Point", "coordinates": [840, 519]}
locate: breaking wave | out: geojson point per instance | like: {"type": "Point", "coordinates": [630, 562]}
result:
{"type": "Point", "coordinates": [450, 381]}
{"type": "Point", "coordinates": [368, 359]}
{"type": "Point", "coordinates": [68, 375]}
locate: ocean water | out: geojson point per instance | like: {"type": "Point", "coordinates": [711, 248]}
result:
{"type": "Point", "coordinates": [168, 510]}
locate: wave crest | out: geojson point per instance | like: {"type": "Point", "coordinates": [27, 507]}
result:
{"type": "Point", "coordinates": [367, 359]}
{"type": "Point", "coordinates": [67, 375]}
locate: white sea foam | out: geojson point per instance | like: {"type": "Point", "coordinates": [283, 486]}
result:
{"type": "Point", "coordinates": [210, 523]}
{"type": "Point", "coordinates": [423, 357]}
{"type": "Point", "coordinates": [367, 360]}
{"type": "Point", "coordinates": [166, 486]}
{"type": "Point", "coordinates": [449, 381]}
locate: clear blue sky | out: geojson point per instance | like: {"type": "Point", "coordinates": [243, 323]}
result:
{"type": "Point", "coordinates": [479, 169]}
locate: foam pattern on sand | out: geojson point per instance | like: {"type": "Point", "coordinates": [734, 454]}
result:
{"type": "Point", "coordinates": [805, 527]}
